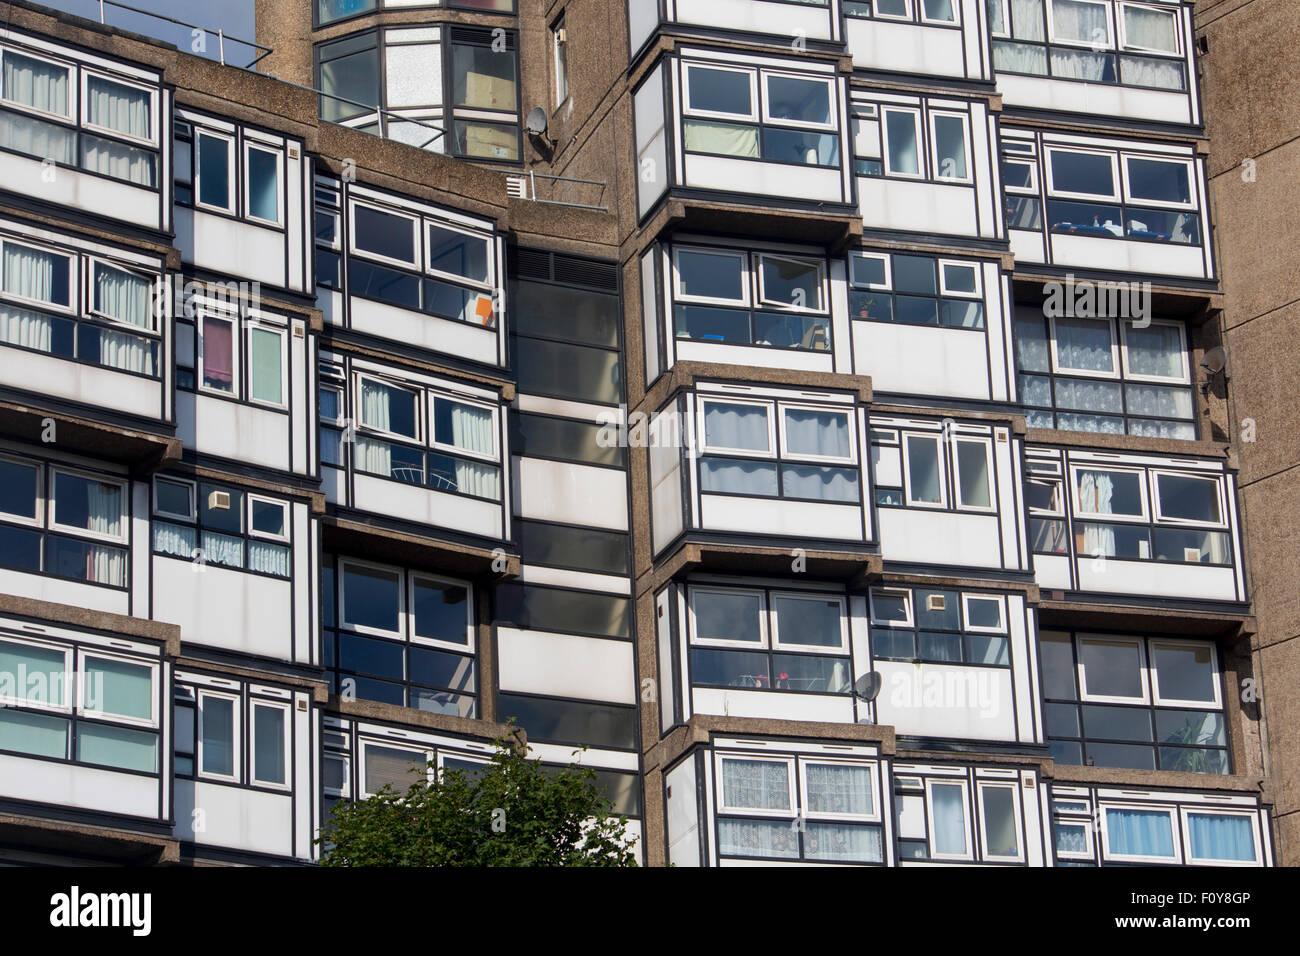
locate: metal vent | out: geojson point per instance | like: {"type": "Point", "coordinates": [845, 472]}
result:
{"type": "Point", "coordinates": [531, 264]}
{"type": "Point", "coordinates": [596, 275]}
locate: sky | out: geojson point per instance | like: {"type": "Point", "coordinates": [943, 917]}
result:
{"type": "Point", "coordinates": [235, 17]}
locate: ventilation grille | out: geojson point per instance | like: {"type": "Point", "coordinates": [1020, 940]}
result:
{"type": "Point", "coordinates": [564, 269]}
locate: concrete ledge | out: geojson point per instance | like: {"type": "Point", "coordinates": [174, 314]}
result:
{"type": "Point", "coordinates": [701, 728]}
{"type": "Point", "coordinates": [856, 567]}
{"type": "Point", "coordinates": [1079, 614]}
{"type": "Point", "coordinates": [320, 691]}
{"type": "Point", "coordinates": [1158, 779]}
{"type": "Point", "coordinates": [168, 635]}
{"type": "Point", "coordinates": [686, 375]}
{"type": "Point", "coordinates": [356, 537]}
{"type": "Point", "coordinates": [1127, 443]}
{"type": "Point", "coordinates": [111, 844]}
{"type": "Point", "coordinates": [488, 730]}
{"type": "Point", "coordinates": [143, 451]}
{"type": "Point", "coordinates": [834, 229]}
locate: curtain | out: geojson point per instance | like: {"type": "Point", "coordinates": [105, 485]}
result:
{"type": "Point", "coordinates": [843, 841]}
{"type": "Point", "coordinates": [1139, 832]}
{"type": "Point", "coordinates": [117, 107]}
{"type": "Point", "coordinates": [1150, 29]}
{"type": "Point", "coordinates": [1155, 350]}
{"type": "Point", "coordinates": [40, 85]}
{"type": "Point", "coordinates": [809, 432]}
{"type": "Point", "coordinates": [1083, 344]}
{"type": "Point", "coordinates": [476, 478]}
{"type": "Point", "coordinates": [104, 516]}
{"type": "Point", "coordinates": [1080, 21]}
{"type": "Point", "coordinates": [738, 477]}
{"type": "Point", "coordinates": [834, 788]}
{"type": "Point", "coordinates": [1095, 492]}
{"type": "Point", "coordinates": [174, 539]}
{"type": "Point", "coordinates": [825, 484]}
{"type": "Point", "coordinates": [26, 134]}
{"type": "Point", "coordinates": [1220, 837]}
{"type": "Point", "coordinates": [724, 138]}
{"type": "Point", "coordinates": [1019, 58]}
{"type": "Point", "coordinates": [900, 134]}
{"type": "Point", "coordinates": [117, 160]}
{"type": "Point", "coordinates": [28, 329]}
{"type": "Point", "coordinates": [765, 838]}
{"type": "Point", "coordinates": [756, 784]}
{"type": "Point", "coordinates": [126, 298]}
{"type": "Point", "coordinates": [949, 819]}
{"type": "Point", "coordinates": [264, 370]}
{"type": "Point", "coordinates": [371, 455]}
{"type": "Point", "coordinates": [1027, 20]}
{"type": "Point", "coordinates": [1148, 71]}
{"type": "Point", "coordinates": [1032, 352]}
{"type": "Point", "coordinates": [223, 549]}
{"type": "Point", "coordinates": [1088, 396]}
{"type": "Point", "coordinates": [472, 429]}
{"type": "Point", "coordinates": [1082, 65]}
{"type": "Point", "coordinates": [735, 426]}
{"type": "Point", "coordinates": [217, 345]}
{"type": "Point", "coordinates": [1071, 838]}
{"type": "Point", "coordinates": [268, 558]}
{"type": "Point", "coordinates": [997, 24]}
{"type": "Point", "coordinates": [1157, 400]}
{"type": "Point", "coordinates": [30, 273]}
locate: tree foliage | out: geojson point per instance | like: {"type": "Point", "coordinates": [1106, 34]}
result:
{"type": "Point", "coordinates": [514, 812]}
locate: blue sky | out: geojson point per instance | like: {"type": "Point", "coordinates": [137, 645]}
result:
{"type": "Point", "coordinates": [235, 17]}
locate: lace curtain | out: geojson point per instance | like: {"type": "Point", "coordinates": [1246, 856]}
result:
{"type": "Point", "coordinates": [173, 539]}
{"type": "Point", "coordinates": [1150, 29]}
{"type": "Point", "coordinates": [833, 788]}
{"type": "Point", "coordinates": [756, 784]}
{"type": "Point", "coordinates": [268, 558]}
{"type": "Point", "coordinates": [1083, 345]}
{"type": "Point", "coordinates": [223, 549]}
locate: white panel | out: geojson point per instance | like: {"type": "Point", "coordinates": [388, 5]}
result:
{"type": "Point", "coordinates": [71, 187]}
{"type": "Point", "coordinates": [449, 336]}
{"type": "Point", "coordinates": [922, 361]}
{"type": "Point", "coordinates": [233, 430]}
{"type": "Point", "coordinates": [225, 608]}
{"type": "Point", "coordinates": [426, 506]}
{"type": "Point", "coordinates": [60, 591]}
{"type": "Point", "coordinates": [576, 494]}
{"type": "Point", "coordinates": [917, 206]}
{"type": "Point", "coordinates": [564, 665]}
{"type": "Point", "coordinates": [809, 519]}
{"type": "Point", "coordinates": [1145, 257]}
{"type": "Point", "coordinates": [1023, 658]}
{"type": "Point", "coordinates": [760, 357]}
{"type": "Point", "coordinates": [651, 140]}
{"type": "Point", "coordinates": [1033, 819]}
{"type": "Point", "coordinates": [306, 595]}
{"type": "Point", "coordinates": [939, 537]}
{"type": "Point", "coordinates": [683, 815]}
{"type": "Point", "coordinates": [773, 704]}
{"type": "Point", "coordinates": [334, 484]}
{"type": "Point", "coordinates": [666, 494]}
{"type": "Point", "coordinates": [1027, 246]}
{"type": "Point", "coordinates": [239, 819]}
{"type": "Point", "coordinates": [905, 47]}
{"type": "Point", "coordinates": [946, 700]}
{"type": "Point", "coordinates": [301, 384]}
{"type": "Point", "coordinates": [139, 557]}
{"type": "Point", "coordinates": [755, 16]}
{"type": "Point", "coordinates": [86, 384]}
{"type": "Point", "coordinates": [643, 17]}
{"type": "Point", "coordinates": [83, 788]}
{"type": "Point", "coordinates": [231, 246]}
{"type": "Point", "coordinates": [1157, 578]}
{"type": "Point", "coordinates": [765, 179]}
{"type": "Point", "coordinates": [1052, 571]}
{"type": "Point", "coordinates": [293, 177]}
{"type": "Point", "coordinates": [663, 650]}
{"type": "Point", "coordinates": [582, 580]}
{"type": "Point", "coordinates": [1099, 99]}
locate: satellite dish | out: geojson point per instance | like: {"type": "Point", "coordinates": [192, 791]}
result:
{"type": "Point", "coordinates": [868, 686]}
{"type": "Point", "coordinates": [535, 124]}
{"type": "Point", "coordinates": [1216, 359]}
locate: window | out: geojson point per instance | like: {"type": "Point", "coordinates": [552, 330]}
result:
{"type": "Point", "coordinates": [915, 290]}
{"type": "Point", "coordinates": [1073, 826]}
{"type": "Point", "coordinates": [769, 640]}
{"type": "Point", "coordinates": [750, 113]}
{"type": "Point", "coordinates": [234, 733]}
{"type": "Point", "coordinates": [1134, 702]}
{"type": "Point", "coordinates": [218, 353]}
{"type": "Point", "coordinates": [922, 470]}
{"type": "Point", "coordinates": [213, 177]}
{"type": "Point", "coordinates": [228, 529]}
{"type": "Point", "coordinates": [400, 637]}
{"type": "Point", "coordinates": [111, 721]}
{"type": "Point", "coordinates": [270, 744]}
{"type": "Point", "coordinates": [266, 365]}
{"type": "Point", "coordinates": [113, 325]}
{"type": "Point", "coordinates": [1000, 821]}
{"type": "Point", "coordinates": [418, 436]}
{"type": "Point", "coordinates": [902, 142]}
{"type": "Point", "coordinates": [1220, 838]}
{"type": "Point", "coordinates": [1137, 833]}
{"type": "Point", "coordinates": [572, 722]}
{"type": "Point", "coordinates": [775, 449]}
{"type": "Point", "coordinates": [1097, 41]}
{"type": "Point", "coordinates": [763, 299]}
{"type": "Point", "coordinates": [939, 626]}
{"type": "Point", "coordinates": [262, 183]}
{"type": "Point", "coordinates": [950, 152]}
{"type": "Point", "coordinates": [795, 808]}
{"type": "Point", "coordinates": [928, 12]}
{"type": "Point", "coordinates": [1065, 364]}
{"type": "Point", "coordinates": [63, 523]}
{"type": "Point", "coordinates": [1048, 531]}
{"type": "Point", "coordinates": [560, 42]}
{"type": "Point", "coordinates": [933, 819]}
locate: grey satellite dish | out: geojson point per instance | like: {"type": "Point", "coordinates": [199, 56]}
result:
{"type": "Point", "coordinates": [535, 125]}
{"type": "Point", "coordinates": [868, 686]}
{"type": "Point", "coordinates": [1216, 359]}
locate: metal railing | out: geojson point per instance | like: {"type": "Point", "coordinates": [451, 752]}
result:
{"type": "Point", "coordinates": [524, 186]}
{"type": "Point", "coordinates": [219, 33]}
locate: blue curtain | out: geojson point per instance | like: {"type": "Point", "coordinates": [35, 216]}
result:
{"type": "Point", "coordinates": [1140, 832]}
{"type": "Point", "coordinates": [1220, 837]}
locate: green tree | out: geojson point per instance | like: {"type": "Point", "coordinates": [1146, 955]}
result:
{"type": "Point", "coordinates": [514, 812]}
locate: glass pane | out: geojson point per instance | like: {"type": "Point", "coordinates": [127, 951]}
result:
{"type": "Point", "coordinates": [388, 766]}
{"type": "Point", "coordinates": [871, 306]}
{"type": "Point", "coordinates": [1184, 672]}
{"type": "Point", "coordinates": [1001, 836]}
{"type": "Point", "coordinates": [1111, 668]}
{"type": "Point", "coordinates": [268, 517]}
{"type": "Point", "coordinates": [868, 270]}
{"type": "Point", "coordinates": [808, 621]}
{"type": "Point", "coordinates": [1189, 499]}
{"type": "Point", "coordinates": [1084, 345]}
{"type": "Point", "coordinates": [116, 687]}
{"type": "Point", "coordinates": [728, 616]}
{"type": "Point", "coordinates": [1071, 838]}
{"type": "Point", "coordinates": [217, 727]}
{"type": "Point", "coordinates": [1032, 353]}
{"type": "Point", "coordinates": [1217, 836]}
{"type": "Point", "coordinates": [119, 107]}
{"type": "Point", "coordinates": [18, 489]}
{"type": "Point", "coordinates": [755, 784]}
{"type": "Point", "coordinates": [1190, 728]}
{"type": "Point", "coordinates": [1089, 173]}
{"type": "Point", "coordinates": [441, 610]}
{"type": "Point", "coordinates": [973, 474]}
{"type": "Point", "coordinates": [718, 91]}
{"type": "Point", "coordinates": [487, 140]}
{"type": "Point", "coordinates": [785, 330]}
{"type": "Point", "coordinates": [1017, 175]}
{"type": "Point", "coordinates": [171, 497]}
{"type": "Point", "coordinates": [458, 253]}
{"type": "Point", "coordinates": [1062, 720]}
{"type": "Point", "coordinates": [548, 609]}
{"type": "Point", "coordinates": [887, 642]}
{"type": "Point", "coordinates": [1083, 21]}
{"type": "Point", "coordinates": [1133, 832]}
{"type": "Point", "coordinates": [718, 668]}
{"type": "Point", "coordinates": [710, 275]}
{"type": "Point", "coordinates": [33, 674]}
{"type": "Point", "coordinates": [818, 675]}
{"type": "Point", "coordinates": [914, 310]}
{"type": "Point", "coordinates": [923, 469]}
{"type": "Point", "coordinates": [214, 170]}
{"type": "Point", "coordinates": [938, 610]}
{"type": "Point", "coordinates": [941, 10]}
{"type": "Point", "coordinates": [843, 841]}
{"type": "Point", "coordinates": [1162, 401]}
{"type": "Point", "coordinates": [759, 838]}
{"type": "Point", "coordinates": [915, 274]}
{"type": "Point", "coordinates": [367, 655]}
{"type": "Point", "coordinates": [1020, 57]}
{"type": "Point", "coordinates": [838, 788]}
{"type": "Point", "coordinates": [383, 233]}
{"type": "Point", "coordinates": [949, 818]}
{"type": "Point", "coordinates": [87, 504]}
{"type": "Point", "coordinates": [217, 348]}
{"type": "Point", "coordinates": [1152, 71]}
{"type": "Point", "coordinates": [983, 612]}
{"type": "Point", "coordinates": [483, 78]}
{"type": "Point", "coordinates": [799, 100]}
{"type": "Point", "coordinates": [791, 282]}
{"type": "Point", "coordinates": [801, 146]}
{"type": "Point", "coordinates": [939, 647]}
{"type": "Point", "coordinates": [265, 360]}
{"type": "Point", "coordinates": [731, 476]}
{"type": "Point", "coordinates": [1126, 756]}
{"type": "Point", "coordinates": [371, 597]}
{"type": "Point", "coordinates": [221, 509]}
{"type": "Point", "coordinates": [352, 77]}
{"type": "Point", "coordinates": [736, 426]}
{"type": "Point", "coordinates": [83, 561]}
{"type": "Point", "coordinates": [889, 606]}
{"type": "Point", "coordinates": [1150, 29]}
{"type": "Point", "coordinates": [441, 669]}
{"type": "Point", "coordinates": [900, 134]}
{"type": "Point", "coordinates": [988, 649]}
{"type": "Point", "coordinates": [263, 185]}
{"type": "Point", "coordinates": [117, 747]}
{"type": "Point", "coordinates": [725, 139]}
{"type": "Point", "coordinates": [268, 744]}
{"type": "Point", "coordinates": [1164, 226]}
{"type": "Point", "coordinates": [1089, 395]}
{"type": "Point", "coordinates": [388, 408]}
{"type": "Point", "coordinates": [569, 371]}
{"type": "Point", "coordinates": [1158, 181]}
{"type": "Point", "coordinates": [1116, 723]}
{"type": "Point", "coordinates": [1056, 651]}
{"type": "Point", "coordinates": [570, 722]}
{"type": "Point", "coordinates": [950, 146]}
{"type": "Point", "coordinates": [35, 83]}
{"type": "Point", "coordinates": [820, 483]}
{"type": "Point", "coordinates": [1109, 492]}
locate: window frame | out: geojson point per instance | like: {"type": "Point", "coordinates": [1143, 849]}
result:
{"type": "Point", "coordinates": [417, 240]}
{"type": "Point", "coordinates": [1156, 473]}
{"type": "Point", "coordinates": [1128, 197]}
{"type": "Point", "coordinates": [1076, 503]}
{"type": "Point", "coordinates": [287, 734]}
{"type": "Point", "coordinates": [494, 457]}
{"type": "Point", "coordinates": [235, 698]}
{"type": "Point", "coordinates": [875, 13]}
{"type": "Point", "coordinates": [236, 343]}
{"type": "Point", "coordinates": [1055, 481]}
{"type": "Point", "coordinates": [940, 457]}
{"type": "Point", "coordinates": [560, 56]}
{"type": "Point", "coordinates": [415, 639]}
{"type": "Point", "coordinates": [51, 508]}
{"type": "Point", "coordinates": [1216, 681]}
{"type": "Point", "coordinates": [74, 276]}
{"type": "Point", "coordinates": [769, 408]}
{"type": "Point", "coordinates": [363, 748]}
{"type": "Point", "coordinates": [989, 465]}
{"type": "Point", "coordinates": [1122, 28]}
{"type": "Point", "coordinates": [191, 487]}
{"type": "Point", "coordinates": [87, 72]}
{"type": "Point", "coordinates": [416, 392]}
{"type": "Point", "coordinates": [40, 495]}
{"type": "Point", "coordinates": [906, 594]}
{"type": "Point", "coordinates": [687, 85]}
{"type": "Point", "coordinates": [1081, 638]}
{"type": "Point", "coordinates": [930, 817]}
{"type": "Point", "coordinates": [68, 66]}
{"type": "Point", "coordinates": [278, 155]}
{"type": "Point", "coordinates": [153, 721]}
{"type": "Point", "coordinates": [964, 118]}
{"type": "Point", "coordinates": [71, 691]}
{"type": "Point", "coordinates": [1183, 356]}
{"type": "Point", "coordinates": [92, 263]}
{"type": "Point", "coordinates": [791, 782]}
{"type": "Point", "coordinates": [764, 625]}
{"type": "Point", "coordinates": [341, 611]}
{"type": "Point", "coordinates": [955, 6]}
{"type": "Point", "coordinates": [783, 452]}
{"type": "Point", "coordinates": [249, 498]}
{"type": "Point", "coordinates": [768, 119]}
{"type": "Point", "coordinates": [873, 773]}
{"type": "Point", "coordinates": [197, 175]}
{"type": "Point", "coordinates": [1049, 149]}
{"type": "Point", "coordinates": [763, 303]}
{"type": "Point", "coordinates": [489, 283]}
{"type": "Point", "coordinates": [922, 161]}
{"type": "Point", "coordinates": [1016, 814]}
{"type": "Point", "coordinates": [773, 629]}
{"type": "Point", "coordinates": [1001, 601]}
{"type": "Point", "coordinates": [977, 295]}
{"type": "Point", "coordinates": [1034, 187]}
{"type": "Point", "coordinates": [1186, 811]}
{"type": "Point", "coordinates": [883, 257]}
{"type": "Point", "coordinates": [1085, 44]}
{"type": "Point", "coordinates": [745, 278]}
{"type": "Point", "coordinates": [258, 324]}
{"type": "Point", "coordinates": [1108, 854]}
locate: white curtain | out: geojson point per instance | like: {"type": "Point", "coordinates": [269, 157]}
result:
{"type": "Point", "coordinates": [478, 479]}
{"type": "Point", "coordinates": [1027, 19]}
{"type": "Point", "coordinates": [1155, 350]}
{"type": "Point", "coordinates": [1080, 21]}
{"type": "Point", "coordinates": [472, 429]}
{"type": "Point", "coordinates": [26, 134]}
{"type": "Point", "coordinates": [223, 549]}
{"type": "Point", "coordinates": [1147, 71]}
{"type": "Point", "coordinates": [117, 160]}
{"type": "Point", "coordinates": [1082, 65]}
{"type": "Point", "coordinates": [174, 539]}
{"type": "Point", "coordinates": [1095, 493]}
{"type": "Point", "coordinates": [724, 138]}
{"type": "Point", "coordinates": [104, 511]}
{"type": "Point", "coordinates": [756, 784]}
{"type": "Point", "coordinates": [1151, 29]}
{"type": "Point", "coordinates": [736, 426]}
{"type": "Point", "coordinates": [128, 299]}
{"type": "Point", "coordinates": [268, 558]}
{"type": "Point", "coordinates": [1088, 396]}
{"type": "Point", "coordinates": [811, 432]}
{"type": "Point", "coordinates": [372, 455]}
{"type": "Point", "coordinates": [825, 484]}
{"type": "Point", "coordinates": [762, 838]}
{"type": "Point", "coordinates": [34, 83]}
{"type": "Point", "coordinates": [1019, 58]}
{"type": "Point", "coordinates": [838, 789]}
{"type": "Point", "coordinates": [28, 329]}
{"type": "Point", "coordinates": [949, 819]}
{"type": "Point", "coordinates": [113, 106]}
{"type": "Point", "coordinates": [28, 272]}
{"type": "Point", "coordinates": [900, 134]}
{"type": "Point", "coordinates": [1083, 344]}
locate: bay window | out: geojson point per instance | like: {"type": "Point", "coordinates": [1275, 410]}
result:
{"type": "Point", "coordinates": [939, 627]}
{"type": "Point", "coordinates": [112, 720]}
{"type": "Point", "coordinates": [1078, 374]}
{"type": "Point", "coordinates": [1136, 702]}
{"type": "Point", "coordinates": [776, 449]}
{"type": "Point", "coordinates": [222, 526]}
{"type": "Point", "coordinates": [917, 469]}
{"type": "Point", "coordinates": [754, 113]}
{"type": "Point", "coordinates": [400, 637]}
{"type": "Point", "coordinates": [1098, 41]}
{"type": "Point", "coordinates": [64, 523]}
{"type": "Point", "coordinates": [798, 807]}
{"type": "Point", "coordinates": [769, 640]}
{"type": "Point", "coordinates": [909, 289]}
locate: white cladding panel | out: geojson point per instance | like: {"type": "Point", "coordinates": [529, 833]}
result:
{"type": "Point", "coordinates": [40, 587]}
{"type": "Point", "coordinates": [921, 360]}
{"type": "Point", "coordinates": [764, 179]}
{"type": "Point", "coordinates": [449, 336]}
{"type": "Point", "coordinates": [78, 382]}
{"type": "Point", "coordinates": [426, 506]}
{"type": "Point", "coordinates": [939, 537]}
{"type": "Point", "coordinates": [225, 608]}
{"type": "Point", "coordinates": [565, 665]}
{"type": "Point", "coordinates": [1153, 258]}
{"type": "Point", "coordinates": [905, 47]}
{"type": "Point", "coordinates": [576, 494]}
{"type": "Point", "coordinates": [946, 700]}
{"type": "Point", "coordinates": [810, 519]}
{"type": "Point", "coordinates": [231, 246]}
{"type": "Point", "coordinates": [233, 817]}
{"type": "Point", "coordinates": [234, 430]}
{"type": "Point", "coordinates": [683, 815]}
{"type": "Point", "coordinates": [1027, 246]}
{"type": "Point", "coordinates": [1052, 571]}
{"type": "Point", "coordinates": [84, 788]}
{"type": "Point", "coordinates": [1098, 99]}
{"type": "Point", "coordinates": [1153, 577]}
{"type": "Point", "coordinates": [756, 16]}
{"type": "Point", "coordinates": [72, 187]}
{"type": "Point", "coordinates": [888, 203]}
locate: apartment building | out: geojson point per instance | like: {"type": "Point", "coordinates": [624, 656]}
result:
{"type": "Point", "coordinates": [808, 415]}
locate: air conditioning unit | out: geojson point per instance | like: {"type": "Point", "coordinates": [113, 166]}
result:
{"type": "Point", "coordinates": [1192, 554]}
{"type": "Point", "coordinates": [936, 602]}
{"type": "Point", "coordinates": [218, 501]}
